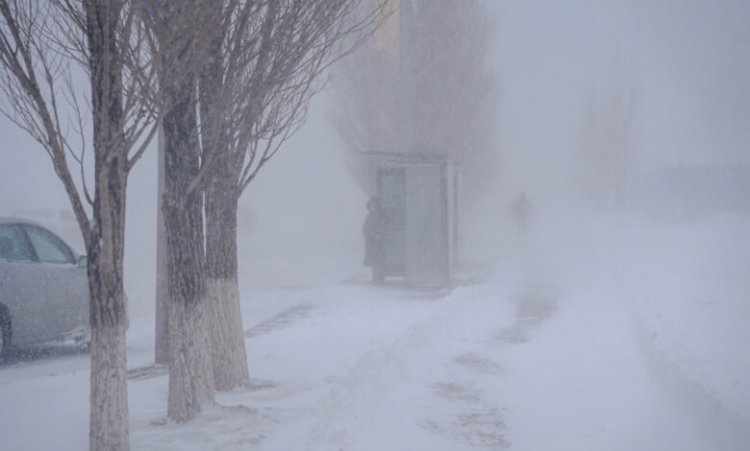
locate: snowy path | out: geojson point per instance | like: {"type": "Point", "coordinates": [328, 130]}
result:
{"type": "Point", "coordinates": [591, 379]}
{"type": "Point", "coordinates": [527, 363]}
{"type": "Point", "coordinates": [527, 366]}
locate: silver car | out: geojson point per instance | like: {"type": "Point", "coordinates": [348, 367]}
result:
{"type": "Point", "coordinates": [44, 294]}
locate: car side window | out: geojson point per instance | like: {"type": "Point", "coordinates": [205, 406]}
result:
{"type": "Point", "coordinates": [48, 247]}
{"type": "Point", "coordinates": [13, 244]}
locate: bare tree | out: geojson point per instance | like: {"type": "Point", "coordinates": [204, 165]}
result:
{"type": "Point", "coordinates": [237, 87]}
{"type": "Point", "coordinates": [269, 58]}
{"type": "Point", "coordinates": [180, 53]}
{"type": "Point", "coordinates": [422, 85]}
{"type": "Point", "coordinates": [367, 115]}
{"type": "Point", "coordinates": [39, 44]}
{"type": "Point", "coordinates": [609, 114]}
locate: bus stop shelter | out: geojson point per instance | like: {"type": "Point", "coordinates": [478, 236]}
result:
{"type": "Point", "coordinates": [418, 194]}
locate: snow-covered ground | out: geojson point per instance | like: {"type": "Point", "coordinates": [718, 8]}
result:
{"type": "Point", "coordinates": [630, 339]}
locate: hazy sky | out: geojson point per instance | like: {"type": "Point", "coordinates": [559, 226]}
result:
{"type": "Point", "coordinates": [689, 60]}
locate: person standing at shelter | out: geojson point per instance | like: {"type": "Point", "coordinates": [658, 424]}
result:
{"type": "Point", "coordinates": [374, 232]}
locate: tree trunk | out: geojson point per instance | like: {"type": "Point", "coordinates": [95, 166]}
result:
{"type": "Point", "coordinates": [109, 424]}
{"type": "Point", "coordinates": [109, 396]}
{"type": "Point", "coordinates": [191, 381]}
{"type": "Point", "coordinates": [227, 334]}
{"type": "Point", "coordinates": [190, 376]}
{"type": "Point", "coordinates": [105, 242]}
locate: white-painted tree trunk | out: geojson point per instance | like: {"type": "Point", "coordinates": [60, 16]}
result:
{"type": "Point", "coordinates": [109, 425]}
{"type": "Point", "coordinates": [190, 371]}
{"type": "Point", "coordinates": [227, 335]}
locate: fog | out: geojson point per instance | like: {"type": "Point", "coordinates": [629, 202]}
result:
{"type": "Point", "coordinates": [687, 59]}
{"type": "Point", "coordinates": [686, 62]}
{"type": "Point", "coordinates": [665, 80]}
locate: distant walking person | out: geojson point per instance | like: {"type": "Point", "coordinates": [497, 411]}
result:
{"type": "Point", "coordinates": [374, 232]}
{"type": "Point", "coordinates": [521, 211]}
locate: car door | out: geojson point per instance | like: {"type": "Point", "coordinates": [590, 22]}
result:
{"type": "Point", "coordinates": [67, 293]}
{"type": "Point", "coordinates": [23, 288]}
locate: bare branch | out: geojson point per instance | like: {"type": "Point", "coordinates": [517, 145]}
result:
{"type": "Point", "coordinates": [22, 62]}
{"type": "Point", "coordinates": [271, 58]}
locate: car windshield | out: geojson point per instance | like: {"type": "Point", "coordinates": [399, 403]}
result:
{"type": "Point", "coordinates": [48, 247]}
{"type": "Point", "coordinates": [13, 244]}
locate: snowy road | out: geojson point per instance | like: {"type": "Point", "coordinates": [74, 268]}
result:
{"type": "Point", "coordinates": [526, 363]}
